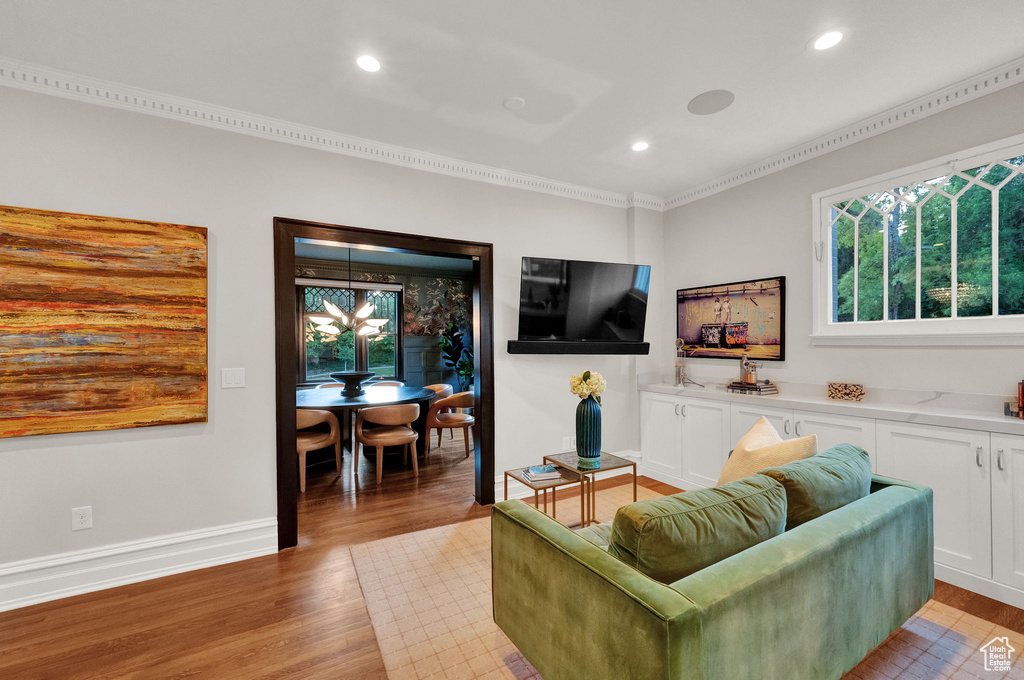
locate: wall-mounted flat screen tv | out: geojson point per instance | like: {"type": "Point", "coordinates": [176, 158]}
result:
{"type": "Point", "coordinates": [574, 300]}
{"type": "Point", "coordinates": [729, 320]}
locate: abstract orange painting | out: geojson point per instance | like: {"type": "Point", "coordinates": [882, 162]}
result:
{"type": "Point", "coordinates": [102, 323]}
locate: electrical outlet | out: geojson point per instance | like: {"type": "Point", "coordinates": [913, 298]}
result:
{"type": "Point", "coordinates": [81, 518]}
{"type": "Point", "coordinates": [565, 443]}
{"type": "Point", "coordinates": [572, 443]}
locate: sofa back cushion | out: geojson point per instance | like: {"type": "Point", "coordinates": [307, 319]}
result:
{"type": "Point", "coordinates": [674, 536]}
{"type": "Point", "coordinates": [824, 482]}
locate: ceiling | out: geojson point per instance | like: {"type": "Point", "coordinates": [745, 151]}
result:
{"type": "Point", "coordinates": [596, 75]}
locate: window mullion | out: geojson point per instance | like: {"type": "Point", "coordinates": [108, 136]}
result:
{"type": "Point", "coordinates": [995, 251]}
{"type": "Point", "coordinates": [917, 264]}
{"type": "Point", "coordinates": [886, 222]}
{"type": "Point", "coordinates": [856, 269]}
{"type": "Point", "coordinates": [952, 257]}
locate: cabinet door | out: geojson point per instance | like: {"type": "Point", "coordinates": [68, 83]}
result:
{"type": "Point", "coordinates": [832, 430]}
{"type": "Point", "coordinates": [955, 464]}
{"type": "Point", "coordinates": [1008, 510]}
{"type": "Point", "coordinates": [745, 415]}
{"type": "Point", "coordinates": [705, 440]}
{"type": "Point", "coordinates": [660, 439]}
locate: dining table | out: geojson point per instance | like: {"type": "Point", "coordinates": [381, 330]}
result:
{"type": "Point", "coordinates": [331, 399]}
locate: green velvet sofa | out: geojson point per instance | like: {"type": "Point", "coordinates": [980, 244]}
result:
{"type": "Point", "coordinates": [809, 603]}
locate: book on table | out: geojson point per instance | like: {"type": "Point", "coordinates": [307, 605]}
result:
{"type": "Point", "coordinates": [752, 388]}
{"type": "Point", "coordinates": [541, 473]}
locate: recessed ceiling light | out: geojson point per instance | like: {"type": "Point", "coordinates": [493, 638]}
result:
{"type": "Point", "coordinates": [827, 40]}
{"type": "Point", "coordinates": [368, 63]}
{"type": "Point", "coordinates": [514, 103]}
{"type": "Point", "coordinates": [639, 146]}
{"type": "Point", "coordinates": [710, 102]}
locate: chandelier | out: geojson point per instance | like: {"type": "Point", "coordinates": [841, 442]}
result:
{"type": "Point", "coordinates": [359, 322]}
{"type": "Point", "coordinates": [966, 293]}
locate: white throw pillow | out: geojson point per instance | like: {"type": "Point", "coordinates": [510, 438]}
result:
{"type": "Point", "coordinates": [762, 447]}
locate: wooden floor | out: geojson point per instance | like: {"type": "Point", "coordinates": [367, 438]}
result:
{"type": "Point", "coordinates": [296, 614]}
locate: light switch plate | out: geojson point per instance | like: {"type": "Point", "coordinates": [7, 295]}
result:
{"type": "Point", "coordinates": [231, 378]}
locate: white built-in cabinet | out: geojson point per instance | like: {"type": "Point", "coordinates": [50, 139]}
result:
{"type": "Point", "coordinates": [686, 440]}
{"type": "Point", "coordinates": [977, 477]}
{"type": "Point", "coordinates": [792, 423]}
{"type": "Point", "coordinates": [661, 434]}
{"type": "Point", "coordinates": [955, 464]}
{"type": "Point", "coordinates": [1007, 454]}
{"type": "Point", "coordinates": [745, 415]}
{"type": "Point", "coordinates": [706, 440]}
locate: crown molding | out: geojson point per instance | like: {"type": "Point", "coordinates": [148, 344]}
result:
{"type": "Point", "coordinates": [638, 200]}
{"type": "Point", "coordinates": [962, 92]}
{"type": "Point", "coordinates": [36, 78]}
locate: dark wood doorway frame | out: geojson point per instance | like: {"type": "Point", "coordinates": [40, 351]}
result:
{"type": "Point", "coordinates": [287, 340]}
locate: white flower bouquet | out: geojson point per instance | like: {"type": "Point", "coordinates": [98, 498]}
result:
{"type": "Point", "coordinates": [588, 384]}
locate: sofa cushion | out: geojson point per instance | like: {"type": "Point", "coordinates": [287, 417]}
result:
{"type": "Point", "coordinates": [745, 462]}
{"type": "Point", "coordinates": [598, 534]}
{"type": "Point", "coordinates": [674, 536]}
{"type": "Point", "coordinates": [823, 482]}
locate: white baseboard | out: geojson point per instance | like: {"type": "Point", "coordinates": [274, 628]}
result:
{"type": "Point", "coordinates": [981, 586]}
{"type": "Point", "coordinates": [671, 480]}
{"type": "Point", "coordinates": [50, 578]}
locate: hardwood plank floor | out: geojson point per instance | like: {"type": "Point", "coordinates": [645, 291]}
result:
{"type": "Point", "coordinates": [296, 614]}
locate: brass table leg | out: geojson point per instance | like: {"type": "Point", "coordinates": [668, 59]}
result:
{"type": "Point", "coordinates": [554, 500]}
{"type": "Point", "coordinates": [634, 482]}
{"type": "Point", "coordinates": [506, 486]}
{"type": "Point", "coordinates": [536, 499]}
{"type": "Point", "coordinates": [593, 499]}
{"type": "Point", "coordinates": [583, 496]}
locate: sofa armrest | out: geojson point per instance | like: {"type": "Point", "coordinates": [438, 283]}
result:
{"type": "Point", "coordinates": [576, 612]}
{"type": "Point", "coordinates": [812, 602]}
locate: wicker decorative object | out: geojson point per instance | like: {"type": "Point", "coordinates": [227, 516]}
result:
{"type": "Point", "coordinates": [845, 391]}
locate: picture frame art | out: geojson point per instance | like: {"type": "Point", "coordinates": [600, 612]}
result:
{"type": "Point", "coordinates": [728, 320]}
{"type": "Point", "coordinates": [103, 323]}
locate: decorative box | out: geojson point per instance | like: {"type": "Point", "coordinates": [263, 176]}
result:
{"type": "Point", "coordinates": [844, 391]}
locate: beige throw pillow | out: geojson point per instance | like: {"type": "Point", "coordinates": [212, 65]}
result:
{"type": "Point", "coordinates": [762, 447]}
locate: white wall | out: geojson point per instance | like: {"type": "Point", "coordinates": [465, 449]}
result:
{"type": "Point", "coordinates": [143, 483]}
{"type": "Point", "coordinates": [763, 228]}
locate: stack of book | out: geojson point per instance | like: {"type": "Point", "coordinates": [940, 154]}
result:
{"type": "Point", "coordinates": [756, 388]}
{"type": "Point", "coordinates": [1020, 400]}
{"type": "Point", "coordinates": [541, 473]}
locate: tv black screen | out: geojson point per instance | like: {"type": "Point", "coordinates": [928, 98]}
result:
{"type": "Point", "coordinates": [577, 300]}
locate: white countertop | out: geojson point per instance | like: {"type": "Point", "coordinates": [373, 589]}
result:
{"type": "Point", "coordinates": [947, 409]}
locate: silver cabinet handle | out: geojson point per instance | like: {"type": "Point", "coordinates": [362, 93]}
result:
{"type": "Point", "coordinates": [684, 410]}
{"type": "Point", "coordinates": [999, 460]}
{"type": "Point", "coordinates": [677, 409]}
{"type": "Point", "coordinates": [785, 426]}
{"type": "Point", "coordinates": [977, 455]}
{"type": "Point", "coordinates": [797, 427]}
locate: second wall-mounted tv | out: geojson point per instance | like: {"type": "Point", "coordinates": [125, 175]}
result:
{"type": "Point", "coordinates": [580, 301]}
{"type": "Point", "coordinates": [728, 320]}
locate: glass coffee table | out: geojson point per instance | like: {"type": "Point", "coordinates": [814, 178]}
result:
{"type": "Point", "coordinates": [570, 463]}
{"type": "Point", "coordinates": [541, 488]}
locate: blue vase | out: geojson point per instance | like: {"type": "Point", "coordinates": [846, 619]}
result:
{"type": "Point", "coordinates": [588, 434]}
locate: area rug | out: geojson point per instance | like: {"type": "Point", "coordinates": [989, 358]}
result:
{"type": "Point", "coordinates": [428, 595]}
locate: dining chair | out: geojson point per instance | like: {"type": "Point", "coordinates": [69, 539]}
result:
{"type": "Point", "coordinates": [313, 440]}
{"type": "Point", "coordinates": [322, 386]}
{"type": "Point", "coordinates": [441, 390]}
{"type": "Point", "coordinates": [394, 429]}
{"type": "Point", "coordinates": [386, 383]}
{"type": "Point", "coordinates": [441, 416]}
